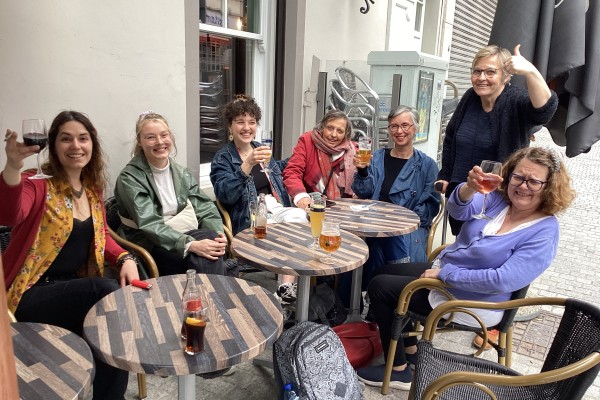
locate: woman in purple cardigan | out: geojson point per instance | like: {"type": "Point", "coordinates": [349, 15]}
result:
{"type": "Point", "coordinates": [489, 260]}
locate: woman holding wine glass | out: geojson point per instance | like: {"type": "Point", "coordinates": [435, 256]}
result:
{"type": "Point", "coordinates": [244, 168]}
{"type": "Point", "coordinates": [54, 262]}
{"type": "Point", "coordinates": [489, 260]}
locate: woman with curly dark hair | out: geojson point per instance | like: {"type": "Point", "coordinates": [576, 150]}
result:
{"type": "Point", "coordinates": [238, 178]}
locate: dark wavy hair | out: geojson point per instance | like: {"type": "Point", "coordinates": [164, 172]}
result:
{"type": "Point", "coordinates": [94, 173]}
{"type": "Point", "coordinates": [242, 104]}
{"type": "Point", "coordinates": [557, 193]}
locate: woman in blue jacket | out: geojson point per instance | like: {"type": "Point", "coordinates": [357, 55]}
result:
{"type": "Point", "coordinates": [404, 176]}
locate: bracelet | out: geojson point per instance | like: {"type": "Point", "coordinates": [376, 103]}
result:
{"type": "Point", "coordinates": [125, 257]}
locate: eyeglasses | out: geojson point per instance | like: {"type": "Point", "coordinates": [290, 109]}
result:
{"type": "Point", "coordinates": [489, 72]}
{"type": "Point", "coordinates": [535, 185]}
{"type": "Point", "coordinates": [394, 127]}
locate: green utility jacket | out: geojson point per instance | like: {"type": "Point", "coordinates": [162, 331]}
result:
{"type": "Point", "coordinates": [138, 200]}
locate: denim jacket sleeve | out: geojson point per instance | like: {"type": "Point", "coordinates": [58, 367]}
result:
{"type": "Point", "coordinates": [228, 180]}
{"type": "Point", "coordinates": [368, 187]}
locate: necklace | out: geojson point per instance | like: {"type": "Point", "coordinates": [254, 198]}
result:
{"type": "Point", "coordinates": [77, 193]}
{"type": "Point", "coordinates": [242, 154]}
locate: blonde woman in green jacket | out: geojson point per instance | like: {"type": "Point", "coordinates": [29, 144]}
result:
{"type": "Point", "coordinates": [163, 209]}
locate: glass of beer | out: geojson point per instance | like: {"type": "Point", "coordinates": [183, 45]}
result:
{"type": "Point", "coordinates": [491, 181]}
{"type": "Point", "coordinates": [194, 323]}
{"type": "Point", "coordinates": [317, 214]}
{"type": "Point", "coordinates": [330, 240]}
{"type": "Point", "coordinates": [364, 149]}
{"type": "Point", "coordinates": [267, 141]}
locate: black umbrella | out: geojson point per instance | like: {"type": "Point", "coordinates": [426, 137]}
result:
{"type": "Point", "coordinates": [562, 39]}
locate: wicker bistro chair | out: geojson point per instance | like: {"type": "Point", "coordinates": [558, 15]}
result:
{"type": "Point", "coordinates": [403, 315]}
{"type": "Point", "coordinates": [572, 363]}
{"type": "Point", "coordinates": [146, 265]}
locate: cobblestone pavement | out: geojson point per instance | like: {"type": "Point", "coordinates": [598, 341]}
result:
{"type": "Point", "coordinates": [574, 273]}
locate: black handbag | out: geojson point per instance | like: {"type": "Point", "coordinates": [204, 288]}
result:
{"type": "Point", "coordinates": [325, 307]}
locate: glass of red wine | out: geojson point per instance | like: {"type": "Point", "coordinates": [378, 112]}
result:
{"type": "Point", "coordinates": [34, 133]}
{"type": "Point", "coordinates": [490, 182]}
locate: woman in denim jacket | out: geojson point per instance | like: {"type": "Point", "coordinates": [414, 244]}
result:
{"type": "Point", "coordinates": [402, 175]}
{"type": "Point", "coordinates": [237, 177]}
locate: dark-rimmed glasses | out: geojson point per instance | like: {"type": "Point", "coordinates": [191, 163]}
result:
{"type": "Point", "coordinates": [394, 127]}
{"type": "Point", "coordinates": [489, 72]}
{"type": "Point", "coordinates": [535, 185]}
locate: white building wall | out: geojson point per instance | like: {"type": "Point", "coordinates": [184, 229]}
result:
{"type": "Point", "coordinates": [336, 32]}
{"type": "Point", "coordinates": [111, 59]}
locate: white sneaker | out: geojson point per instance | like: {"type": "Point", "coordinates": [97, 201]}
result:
{"type": "Point", "coordinates": [287, 292]}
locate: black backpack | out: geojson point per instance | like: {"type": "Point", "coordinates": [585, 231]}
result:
{"type": "Point", "coordinates": [311, 357]}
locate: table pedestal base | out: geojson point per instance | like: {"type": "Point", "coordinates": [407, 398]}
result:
{"type": "Point", "coordinates": [187, 387]}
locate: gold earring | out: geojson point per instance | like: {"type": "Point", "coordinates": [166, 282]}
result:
{"type": "Point", "coordinates": [230, 136]}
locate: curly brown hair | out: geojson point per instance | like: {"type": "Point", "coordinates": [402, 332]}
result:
{"type": "Point", "coordinates": [242, 104]}
{"type": "Point", "coordinates": [557, 193]}
{"type": "Point", "coordinates": [94, 173]}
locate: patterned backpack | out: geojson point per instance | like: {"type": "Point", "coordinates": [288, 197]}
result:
{"type": "Point", "coordinates": [311, 357]}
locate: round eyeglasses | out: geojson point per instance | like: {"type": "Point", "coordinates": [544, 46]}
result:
{"type": "Point", "coordinates": [394, 127]}
{"type": "Point", "coordinates": [535, 185]}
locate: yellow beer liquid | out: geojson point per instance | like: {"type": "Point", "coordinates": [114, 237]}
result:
{"type": "Point", "coordinates": [330, 241]}
{"type": "Point", "coordinates": [317, 214]}
{"type": "Point", "coordinates": [364, 155]}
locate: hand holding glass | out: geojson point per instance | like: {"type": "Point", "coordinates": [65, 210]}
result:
{"type": "Point", "coordinates": [317, 214]}
{"type": "Point", "coordinates": [267, 141]}
{"type": "Point", "coordinates": [34, 133]}
{"type": "Point", "coordinates": [330, 240]}
{"type": "Point", "coordinates": [364, 149]}
{"type": "Point", "coordinates": [491, 181]}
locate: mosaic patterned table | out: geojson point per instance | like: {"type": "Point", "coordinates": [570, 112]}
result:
{"type": "Point", "coordinates": [380, 219]}
{"type": "Point", "coordinates": [139, 330]}
{"type": "Point", "coordinates": [285, 251]}
{"type": "Point", "coordinates": [51, 362]}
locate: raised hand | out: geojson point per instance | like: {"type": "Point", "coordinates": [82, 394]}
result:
{"type": "Point", "coordinates": [517, 64]}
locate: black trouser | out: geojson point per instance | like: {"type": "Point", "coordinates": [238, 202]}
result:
{"type": "Point", "coordinates": [171, 263]}
{"type": "Point", "coordinates": [384, 291]}
{"type": "Point", "coordinates": [65, 304]}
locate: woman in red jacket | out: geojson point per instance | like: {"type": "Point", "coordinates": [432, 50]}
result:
{"type": "Point", "coordinates": [54, 263]}
{"type": "Point", "coordinates": [322, 161]}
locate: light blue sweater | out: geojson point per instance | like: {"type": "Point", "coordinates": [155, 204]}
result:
{"type": "Point", "coordinates": [490, 268]}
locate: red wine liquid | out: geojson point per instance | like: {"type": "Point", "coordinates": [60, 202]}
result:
{"type": "Point", "coordinates": [32, 139]}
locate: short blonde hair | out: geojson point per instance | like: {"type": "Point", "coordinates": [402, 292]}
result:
{"type": "Point", "coordinates": [493, 50]}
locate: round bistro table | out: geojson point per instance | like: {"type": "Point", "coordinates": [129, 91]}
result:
{"type": "Point", "coordinates": [139, 330]}
{"type": "Point", "coordinates": [370, 218]}
{"type": "Point", "coordinates": [51, 362]}
{"type": "Point", "coordinates": [285, 251]}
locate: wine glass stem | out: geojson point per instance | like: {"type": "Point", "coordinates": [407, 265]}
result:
{"type": "Point", "coordinates": [39, 168]}
{"type": "Point", "coordinates": [483, 205]}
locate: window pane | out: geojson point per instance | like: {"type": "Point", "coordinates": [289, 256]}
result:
{"type": "Point", "coordinates": [242, 15]}
{"type": "Point", "coordinates": [225, 65]}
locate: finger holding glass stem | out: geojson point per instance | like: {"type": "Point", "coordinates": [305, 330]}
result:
{"type": "Point", "coordinates": [483, 179]}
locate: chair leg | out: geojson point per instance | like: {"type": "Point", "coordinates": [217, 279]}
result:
{"type": "Point", "coordinates": [501, 348]}
{"type": "Point", "coordinates": [142, 390]}
{"type": "Point", "coordinates": [389, 364]}
{"type": "Point", "coordinates": [509, 341]}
